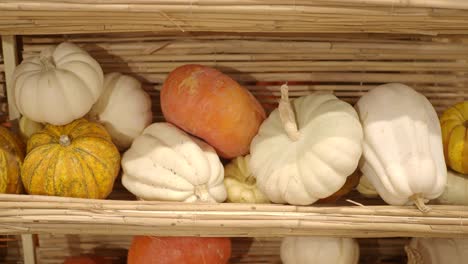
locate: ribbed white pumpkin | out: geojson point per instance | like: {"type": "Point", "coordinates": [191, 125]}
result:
{"type": "Point", "coordinates": [166, 164]}
{"type": "Point", "coordinates": [307, 250]}
{"type": "Point", "coordinates": [304, 161]}
{"type": "Point", "coordinates": [124, 109]}
{"type": "Point", "coordinates": [437, 251]}
{"type": "Point", "coordinates": [57, 86]}
{"type": "Point", "coordinates": [402, 155]}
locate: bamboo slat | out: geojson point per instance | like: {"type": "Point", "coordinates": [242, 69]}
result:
{"type": "Point", "coordinates": [41, 214]}
{"type": "Point", "coordinates": [352, 16]}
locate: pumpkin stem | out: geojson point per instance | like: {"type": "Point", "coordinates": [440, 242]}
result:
{"type": "Point", "coordinates": [45, 57]}
{"type": "Point", "coordinates": [287, 115]}
{"type": "Point", "coordinates": [64, 140]}
{"type": "Point", "coordinates": [414, 257]}
{"type": "Point", "coordinates": [419, 202]}
{"type": "Point", "coordinates": [201, 191]}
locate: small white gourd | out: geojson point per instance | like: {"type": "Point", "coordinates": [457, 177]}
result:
{"type": "Point", "coordinates": [306, 250]}
{"type": "Point", "coordinates": [241, 184]}
{"type": "Point", "coordinates": [437, 251]}
{"type": "Point", "coordinates": [456, 190]}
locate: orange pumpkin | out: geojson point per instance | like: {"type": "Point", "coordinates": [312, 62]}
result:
{"type": "Point", "coordinates": [210, 105]}
{"type": "Point", "coordinates": [87, 260]}
{"type": "Point", "coordinates": [12, 151]}
{"type": "Point", "coordinates": [180, 250]}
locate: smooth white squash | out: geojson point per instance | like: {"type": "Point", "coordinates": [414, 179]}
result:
{"type": "Point", "coordinates": [124, 109]}
{"type": "Point", "coordinates": [166, 164]}
{"type": "Point", "coordinates": [58, 86]}
{"type": "Point", "coordinates": [402, 152]}
{"type": "Point", "coordinates": [306, 250]}
{"type": "Point", "coordinates": [437, 251]}
{"type": "Point", "coordinates": [306, 149]}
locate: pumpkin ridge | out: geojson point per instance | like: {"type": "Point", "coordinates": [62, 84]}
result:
{"type": "Point", "coordinates": [44, 157]}
{"type": "Point", "coordinates": [82, 161]}
{"type": "Point", "coordinates": [22, 88]}
{"type": "Point", "coordinates": [57, 154]}
{"type": "Point", "coordinates": [66, 95]}
{"type": "Point", "coordinates": [82, 151]}
{"type": "Point", "coordinates": [30, 154]}
{"type": "Point", "coordinates": [3, 166]}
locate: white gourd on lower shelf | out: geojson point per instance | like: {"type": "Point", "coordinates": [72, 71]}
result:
{"type": "Point", "coordinates": [402, 152]}
{"type": "Point", "coordinates": [305, 150]}
{"type": "Point", "coordinates": [437, 251]}
{"type": "Point", "coordinates": [124, 109]}
{"type": "Point", "coordinates": [307, 250]}
{"type": "Point", "coordinates": [166, 164]}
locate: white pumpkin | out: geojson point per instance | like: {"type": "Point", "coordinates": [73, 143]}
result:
{"type": "Point", "coordinates": [304, 161]}
{"type": "Point", "coordinates": [166, 164]}
{"type": "Point", "coordinates": [57, 86]}
{"type": "Point", "coordinates": [306, 250]}
{"type": "Point", "coordinates": [437, 251]}
{"type": "Point", "coordinates": [456, 189]}
{"type": "Point", "coordinates": [402, 151]}
{"type": "Point", "coordinates": [241, 184]}
{"type": "Point", "coordinates": [28, 127]}
{"type": "Point", "coordinates": [124, 109]}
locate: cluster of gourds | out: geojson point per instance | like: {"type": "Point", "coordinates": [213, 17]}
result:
{"type": "Point", "coordinates": [76, 120]}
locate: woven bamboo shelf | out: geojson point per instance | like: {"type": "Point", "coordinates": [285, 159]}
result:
{"type": "Point", "coordinates": [342, 46]}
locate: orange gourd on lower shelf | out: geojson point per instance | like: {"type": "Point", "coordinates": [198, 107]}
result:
{"type": "Point", "coordinates": [210, 105]}
{"type": "Point", "coordinates": [179, 250]}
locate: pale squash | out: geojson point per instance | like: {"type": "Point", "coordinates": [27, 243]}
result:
{"type": "Point", "coordinates": [75, 160]}
{"type": "Point", "coordinates": [11, 157]}
{"type": "Point", "coordinates": [454, 123]}
{"type": "Point", "coordinates": [124, 109]}
{"type": "Point", "coordinates": [306, 250]}
{"type": "Point", "coordinates": [366, 188]}
{"type": "Point", "coordinates": [300, 162]}
{"type": "Point", "coordinates": [28, 127]}
{"type": "Point", "coordinates": [57, 86]}
{"type": "Point", "coordinates": [402, 156]}
{"type": "Point", "coordinates": [166, 164]}
{"type": "Point", "coordinates": [241, 184]}
{"type": "Point", "coordinates": [437, 251]}
{"type": "Point", "coordinates": [456, 189]}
